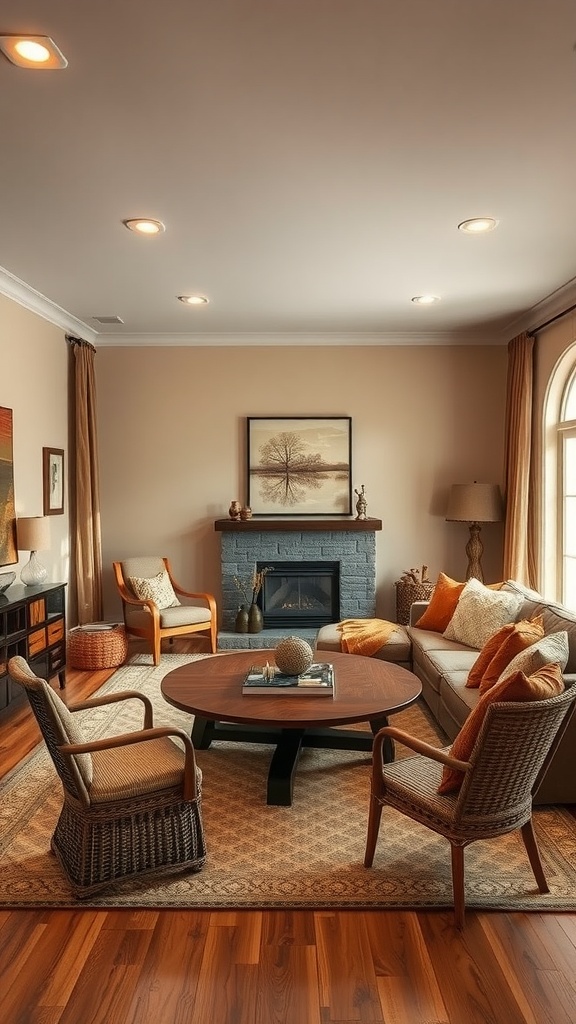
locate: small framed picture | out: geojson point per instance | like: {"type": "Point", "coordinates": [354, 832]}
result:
{"type": "Point", "coordinates": [53, 481]}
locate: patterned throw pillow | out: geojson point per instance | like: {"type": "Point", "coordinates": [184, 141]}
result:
{"type": "Point", "coordinates": [155, 588]}
{"type": "Point", "coordinates": [551, 648]}
{"type": "Point", "coordinates": [501, 648]}
{"type": "Point", "coordinates": [546, 682]}
{"type": "Point", "coordinates": [442, 604]}
{"type": "Point", "coordinates": [480, 612]}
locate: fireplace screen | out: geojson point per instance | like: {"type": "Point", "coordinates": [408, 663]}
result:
{"type": "Point", "coordinates": [300, 593]}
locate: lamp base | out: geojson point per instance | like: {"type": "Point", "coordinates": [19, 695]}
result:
{"type": "Point", "coordinates": [33, 573]}
{"type": "Point", "coordinates": [474, 550]}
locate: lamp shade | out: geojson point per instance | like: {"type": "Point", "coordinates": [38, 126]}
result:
{"type": "Point", "coordinates": [33, 533]}
{"type": "Point", "coordinates": [475, 503]}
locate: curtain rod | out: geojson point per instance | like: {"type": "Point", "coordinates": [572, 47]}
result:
{"type": "Point", "coordinates": [547, 323]}
{"type": "Point", "coordinates": [79, 341]}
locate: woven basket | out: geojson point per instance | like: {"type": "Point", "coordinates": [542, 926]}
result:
{"type": "Point", "coordinates": [93, 649]}
{"type": "Point", "coordinates": [406, 594]}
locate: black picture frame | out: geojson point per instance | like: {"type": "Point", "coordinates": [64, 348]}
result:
{"type": "Point", "coordinates": [299, 465]}
{"type": "Point", "coordinates": [53, 481]}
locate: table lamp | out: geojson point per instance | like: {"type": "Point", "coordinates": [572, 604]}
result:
{"type": "Point", "coordinates": [33, 534]}
{"type": "Point", "coordinates": [474, 504]}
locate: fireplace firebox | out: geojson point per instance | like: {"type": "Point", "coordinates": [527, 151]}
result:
{"type": "Point", "coordinates": [300, 593]}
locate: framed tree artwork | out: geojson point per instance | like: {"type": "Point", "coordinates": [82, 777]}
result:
{"type": "Point", "coordinates": [299, 465]}
{"type": "Point", "coordinates": [53, 481]}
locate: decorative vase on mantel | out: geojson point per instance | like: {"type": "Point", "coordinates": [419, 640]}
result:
{"type": "Point", "coordinates": [255, 618]}
{"type": "Point", "coordinates": [241, 623]}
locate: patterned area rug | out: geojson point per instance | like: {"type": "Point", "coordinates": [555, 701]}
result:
{"type": "Point", "coordinates": [307, 855]}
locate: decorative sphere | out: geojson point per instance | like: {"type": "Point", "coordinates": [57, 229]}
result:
{"type": "Point", "coordinates": [293, 655]}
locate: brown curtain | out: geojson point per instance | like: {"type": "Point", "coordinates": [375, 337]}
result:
{"type": "Point", "coordinates": [86, 574]}
{"type": "Point", "coordinates": [519, 531]}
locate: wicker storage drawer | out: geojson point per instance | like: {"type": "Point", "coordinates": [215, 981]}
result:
{"type": "Point", "coordinates": [99, 648]}
{"type": "Point", "coordinates": [55, 631]}
{"type": "Point", "coordinates": [36, 641]}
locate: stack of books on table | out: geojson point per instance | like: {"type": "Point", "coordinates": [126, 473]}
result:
{"type": "Point", "coordinates": [316, 681]}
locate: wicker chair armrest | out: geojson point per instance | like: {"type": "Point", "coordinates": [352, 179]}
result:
{"type": "Point", "coordinates": [419, 746]}
{"type": "Point", "coordinates": [113, 698]}
{"type": "Point", "coordinates": [126, 739]}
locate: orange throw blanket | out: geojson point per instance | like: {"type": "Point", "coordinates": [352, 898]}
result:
{"type": "Point", "coordinates": [365, 636]}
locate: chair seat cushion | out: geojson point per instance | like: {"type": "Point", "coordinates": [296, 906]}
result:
{"type": "Point", "coordinates": [184, 615]}
{"type": "Point", "coordinates": [413, 782]}
{"type": "Point", "coordinates": [136, 769]}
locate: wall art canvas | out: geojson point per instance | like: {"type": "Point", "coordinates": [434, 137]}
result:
{"type": "Point", "coordinates": [53, 481]}
{"type": "Point", "coordinates": [300, 465]}
{"type": "Point", "coordinates": [8, 549]}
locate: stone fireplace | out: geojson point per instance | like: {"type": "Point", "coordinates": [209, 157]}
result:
{"type": "Point", "coordinates": [313, 550]}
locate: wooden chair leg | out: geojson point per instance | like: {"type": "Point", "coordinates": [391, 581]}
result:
{"type": "Point", "coordinates": [458, 885]}
{"type": "Point", "coordinates": [373, 827]}
{"type": "Point", "coordinates": [213, 637]}
{"type": "Point", "coordinates": [529, 837]}
{"type": "Point", "coordinates": [156, 648]}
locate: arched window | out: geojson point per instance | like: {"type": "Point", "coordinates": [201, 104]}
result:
{"type": "Point", "coordinates": [566, 533]}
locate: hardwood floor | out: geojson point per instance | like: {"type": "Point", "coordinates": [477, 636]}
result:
{"type": "Point", "coordinates": [275, 967]}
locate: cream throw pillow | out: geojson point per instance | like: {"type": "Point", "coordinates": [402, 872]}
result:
{"type": "Point", "coordinates": [155, 588]}
{"type": "Point", "coordinates": [551, 649]}
{"type": "Point", "coordinates": [480, 612]}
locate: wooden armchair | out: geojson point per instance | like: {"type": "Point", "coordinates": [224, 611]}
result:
{"type": "Point", "coordinates": [132, 802]}
{"type": "Point", "coordinates": [510, 757]}
{"type": "Point", "coordinates": [151, 604]}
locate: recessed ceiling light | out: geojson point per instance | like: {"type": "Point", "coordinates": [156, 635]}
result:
{"type": "Point", "coordinates": [144, 226]}
{"type": "Point", "coordinates": [477, 225]}
{"type": "Point", "coordinates": [194, 300]}
{"type": "Point", "coordinates": [425, 300]}
{"type": "Point", "coordinates": [38, 52]}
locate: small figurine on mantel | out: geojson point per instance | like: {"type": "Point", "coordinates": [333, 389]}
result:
{"type": "Point", "coordinates": [361, 504]}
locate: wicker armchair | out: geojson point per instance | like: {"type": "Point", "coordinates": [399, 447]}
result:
{"type": "Point", "coordinates": [143, 618]}
{"type": "Point", "coordinates": [510, 757]}
{"type": "Point", "coordinates": [132, 803]}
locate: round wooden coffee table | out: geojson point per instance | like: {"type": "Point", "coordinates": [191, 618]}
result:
{"type": "Point", "coordinates": [365, 690]}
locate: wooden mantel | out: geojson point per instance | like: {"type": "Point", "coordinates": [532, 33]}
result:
{"type": "Point", "coordinates": [259, 524]}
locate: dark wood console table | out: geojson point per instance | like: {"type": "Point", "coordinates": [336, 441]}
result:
{"type": "Point", "coordinates": [32, 625]}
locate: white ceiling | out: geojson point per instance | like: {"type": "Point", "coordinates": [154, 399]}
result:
{"type": "Point", "coordinates": [311, 160]}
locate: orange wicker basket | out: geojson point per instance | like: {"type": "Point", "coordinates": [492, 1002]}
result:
{"type": "Point", "coordinates": [97, 648]}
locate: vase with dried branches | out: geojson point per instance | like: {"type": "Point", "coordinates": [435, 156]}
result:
{"type": "Point", "coordinates": [250, 587]}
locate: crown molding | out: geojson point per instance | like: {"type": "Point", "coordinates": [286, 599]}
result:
{"type": "Point", "coordinates": [550, 306]}
{"type": "Point", "coordinates": [277, 340]}
{"type": "Point", "coordinates": [28, 297]}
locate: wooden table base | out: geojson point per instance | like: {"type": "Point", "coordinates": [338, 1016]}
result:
{"type": "Point", "coordinates": [289, 743]}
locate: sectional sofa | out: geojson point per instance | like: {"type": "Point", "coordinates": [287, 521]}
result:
{"type": "Point", "coordinates": [442, 665]}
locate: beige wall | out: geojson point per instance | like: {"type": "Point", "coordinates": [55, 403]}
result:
{"type": "Point", "coordinates": [33, 383]}
{"type": "Point", "coordinates": [172, 429]}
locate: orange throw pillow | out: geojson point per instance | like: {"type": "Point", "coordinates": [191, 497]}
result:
{"type": "Point", "coordinates": [546, 682]}
{"type": "Point", "coordinates": [442, 604]}
{"type": "Point", "coordinates": [525, 634]}
{"type": "Point", "coordinates": [500, 648]}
